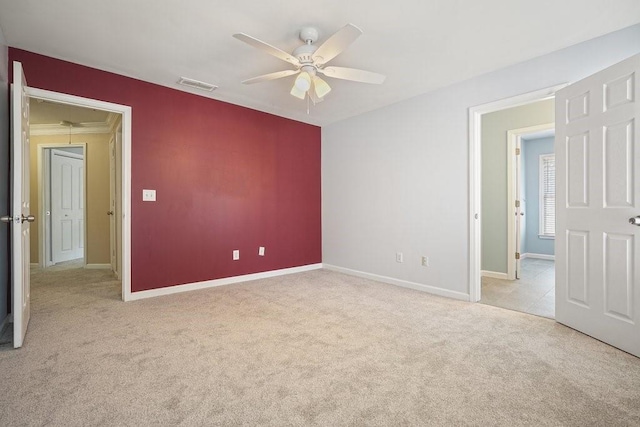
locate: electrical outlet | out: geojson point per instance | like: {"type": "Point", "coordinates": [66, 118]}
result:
{"type": "Point", "coordinates": [425, 261]}
{"type": "Point", "coordinates": [399, 257]}
{"type": "Point", "coordinates": [236, 255]}
{"type": "Point", "coordinates": [148, 195]}
{"type": "Point", "coordinates": [261, 251]}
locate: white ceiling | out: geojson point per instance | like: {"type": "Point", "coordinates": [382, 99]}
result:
{"type": "Point", "coordinates": [420, 45]}
{"type": "Point", "coordinates": [51, 118]}
{"type": "Point", "coordinates": [48, 113]}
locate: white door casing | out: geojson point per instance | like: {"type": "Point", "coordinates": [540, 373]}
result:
{"type": "Point", "coordinates": [475, 182]}
{"type": "Point", "coordinates": [112, 205]}
{"type": "Point", "coordinates": [67, 206]}
{"type": "Point", "coordinates": [119, 206]}
{"type": "Point", "coordinates": [598, 190]}
{"type": "Point", "coordinates": [518, 207]}
{"type": "Point", "coordinates": [123, 166]}
{"type": "Point", "coordinates": [516, 219]}
{"type": "Point", "coordinates": [20, 227]}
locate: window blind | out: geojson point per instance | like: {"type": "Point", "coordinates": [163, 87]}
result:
{"type": "Point", "coordinates": [548, 195]}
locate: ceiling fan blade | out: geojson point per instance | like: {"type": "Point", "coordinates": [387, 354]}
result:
{"type": "Point", "coordinates": [266, 47]}
{"type": "Point", "coordinates": [297, 92]}
{"type": "Point", "coordinates": [320, 88]}
{"type": "Point", "coordinates": [270, 76]}
{"type": "Point", "coordinates": [335, 44]}
{"type": "Point", "coordinates": [353, 74]}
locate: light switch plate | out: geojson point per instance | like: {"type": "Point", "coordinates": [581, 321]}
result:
{"type": "Point", "coordinates": [261, 251]}
{"type": "Point", "coordinates": [236, 254]}
{"type": "Point", "coordinates": [148, 195]}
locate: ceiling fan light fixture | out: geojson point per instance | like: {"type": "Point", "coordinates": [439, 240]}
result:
{"type": "Point", "coordinates": [310, 59]}
{"type": "Point", "coordinates": [321, 87]}
{"type": "Point", "coordinates": [297, 92]}
{"type": "Point", "coordinates": [303, 82]}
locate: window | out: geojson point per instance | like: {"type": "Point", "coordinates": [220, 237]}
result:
{"type": "Point", "coordinates": [547, 195]}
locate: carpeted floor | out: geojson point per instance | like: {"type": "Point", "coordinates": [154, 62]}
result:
{"type": "Point", "coordinates": [316, 348]}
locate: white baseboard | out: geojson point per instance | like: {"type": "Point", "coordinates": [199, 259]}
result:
{"type": "Point", "coordinates": [494, 274]}
{"type": "Point", "coordinates": [538, 256]}
{"type": "Point", "coordinates": [218, 282]}
{"type": "Point", "coordinates": [98, 266]}
{"type": "Point", "coordinates": [398, 282]}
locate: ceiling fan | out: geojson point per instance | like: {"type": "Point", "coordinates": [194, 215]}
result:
{"type": "Point", "coordinates": [310, 60]}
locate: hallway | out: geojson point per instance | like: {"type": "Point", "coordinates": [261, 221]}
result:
{"type": "Point", "coordinates": [533, 293]}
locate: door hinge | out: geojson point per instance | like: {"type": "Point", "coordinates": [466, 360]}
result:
{"type": "Point", "coordinates": [517, 255]}
{"type": "Point", "coordinates": [517, 151]}
{"type": "Point", "coordinates": [517, 203]}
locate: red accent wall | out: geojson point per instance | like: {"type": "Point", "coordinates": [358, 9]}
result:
{"type": "Point", "coordinates": [227, 177]}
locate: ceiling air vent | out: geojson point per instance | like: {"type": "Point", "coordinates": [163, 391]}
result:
{"type": "Point", "coordinates": [197, 84]}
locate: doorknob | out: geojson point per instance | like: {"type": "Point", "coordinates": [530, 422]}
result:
{"type": "Point", "coordinates": [29, 218]}
{"type": "Point", "coordinates": [7, 218]}
{"type": "Point", "coordinates": [635, 220]}
{"type": "Point", "coordinates": [522, 213]}
{"type": "Point", "coordinates": [110, 213]}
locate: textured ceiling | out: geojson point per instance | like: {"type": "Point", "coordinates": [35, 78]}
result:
{"type": "Point", "coordinates": [420, 45]}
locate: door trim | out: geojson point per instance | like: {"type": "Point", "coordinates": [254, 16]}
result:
{"type": "Point", "coordinates": [514, 139]}
{"type": "Point", "coordinates": [475, 184]}
{"type": "Point", "coordinates": [125, 111]}
{"type": "Point", "coordinates": [43, 261]}
{"type": "Point", "coordinates": [112, 203]}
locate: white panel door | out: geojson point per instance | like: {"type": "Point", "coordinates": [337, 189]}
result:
{"type": "Point", "coordinates": [598, 191]}
{"type": "Point", "coordinates": [21, 289]}
{"type": "Point", "coordinates": [67, 206]}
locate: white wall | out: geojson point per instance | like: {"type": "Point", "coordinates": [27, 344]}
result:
{"type": "Point", "coordinates": [396, 179]}
{"type": "Point", "coordinates": [4, 175]}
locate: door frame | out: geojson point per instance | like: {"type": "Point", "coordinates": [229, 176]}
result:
{"type": "Point", "coordinates": [44, 193]}
{"type": "Point", "coordinates": [112, 208]}
{"type": "Point", "coordinates": [126, 114]}
{"type": "Point", "coordinates": [514, 141]}
{"type": "Point", "coordinates": [475, 175]}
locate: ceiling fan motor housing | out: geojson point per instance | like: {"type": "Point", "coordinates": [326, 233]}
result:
{"type": "Point", "coordinates": [309, 35]}
{"type": "Point", "coordinates": [305, 53]}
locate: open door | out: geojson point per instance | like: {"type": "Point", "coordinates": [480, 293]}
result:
{"type": "Point", "coordinates": [21, 216]}
{"type": "Point", "coordinates": [598, 195]}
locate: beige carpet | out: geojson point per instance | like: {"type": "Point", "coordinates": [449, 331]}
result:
{"type": "Point", "coordinates": [316, 348]}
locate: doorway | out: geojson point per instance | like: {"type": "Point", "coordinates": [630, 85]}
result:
{"type": "Point", "coordinates": [73, 194]}
{"type": "Point", "coordinates": [116, 149]}
{"type": "Point", "coordinates": [530, 287]}
{"type": "Point", "coordinates": [483, 204]}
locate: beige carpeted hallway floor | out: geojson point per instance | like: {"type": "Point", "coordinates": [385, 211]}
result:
{"type": "Point", "coordinates": [316, 348]}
